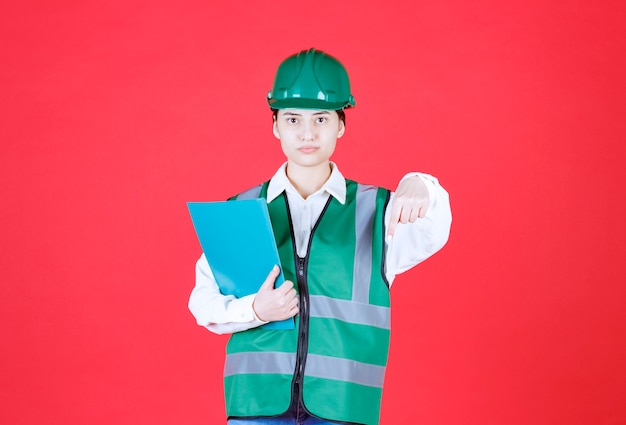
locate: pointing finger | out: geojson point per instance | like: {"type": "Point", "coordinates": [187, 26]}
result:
{"type": "Point", "coordinates": [394, 218]}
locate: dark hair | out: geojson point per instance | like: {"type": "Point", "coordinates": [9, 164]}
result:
{"type": "Point", "coordinates": [340, 113]}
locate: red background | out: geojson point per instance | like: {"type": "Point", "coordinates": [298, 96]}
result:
{"type": "Point", "coordinates": [114, 114]}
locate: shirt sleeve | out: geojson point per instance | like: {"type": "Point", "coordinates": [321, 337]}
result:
{"type": "Point", "coordinates": [413, 243]}
{"type": "Point", "coordinates": [215, 311]}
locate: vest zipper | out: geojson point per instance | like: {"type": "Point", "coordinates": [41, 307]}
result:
{"type": "Point", "coordinates": [303, 289]}
{"type": "Point", "coordinates": [303, 331]}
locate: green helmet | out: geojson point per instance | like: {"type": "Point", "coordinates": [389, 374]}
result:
{"type": "Point", "coordinates": [311, 79]}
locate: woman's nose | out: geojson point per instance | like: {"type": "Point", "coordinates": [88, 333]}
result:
{"type": "Point", "coordinates": [308, 132]}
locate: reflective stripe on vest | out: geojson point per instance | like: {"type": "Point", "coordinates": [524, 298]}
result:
{"type": "Point", "coordinates": [260, 362]}
{"type": "Point", "coordinates": [317, 366]}
{"type": "Point", "coordinates": [348, 311]}
{"type": "Point", "coordinates": [365, 195]}
{"type": "Point", "coordinates": [252, 193]}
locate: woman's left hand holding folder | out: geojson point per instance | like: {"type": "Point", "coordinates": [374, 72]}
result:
{"type": "Point", "coordinates": [275, 304]}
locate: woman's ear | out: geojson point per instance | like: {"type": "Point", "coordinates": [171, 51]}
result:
{"type": "Point", "coordinates": [275, 130]}
{"type": "Point", "coordinates": [342, 129]}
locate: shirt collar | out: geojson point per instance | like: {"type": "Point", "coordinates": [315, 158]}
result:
{"type": "Point", "coordinates": [335, 185]}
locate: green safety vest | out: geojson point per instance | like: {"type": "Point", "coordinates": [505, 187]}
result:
{"type": "Point", "coordinates": [338, 351]}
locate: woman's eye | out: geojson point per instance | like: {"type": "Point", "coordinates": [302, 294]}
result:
{"type": "Point", "coordinates": [292, 120]}
{"type": "Point", "coordinates": [321, 120]}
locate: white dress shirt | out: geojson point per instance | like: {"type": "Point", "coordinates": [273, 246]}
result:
{"type": "Point", "coordinates": [412, 243]}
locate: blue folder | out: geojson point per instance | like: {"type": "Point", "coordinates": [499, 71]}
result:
{"type": "Point", "coordinates": [238, 242]}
